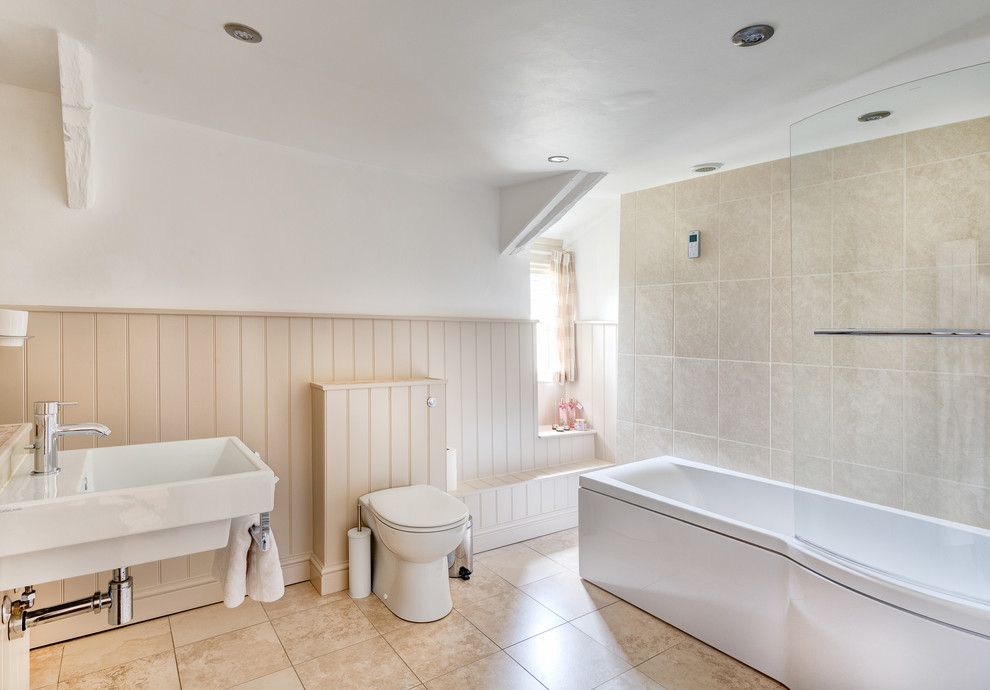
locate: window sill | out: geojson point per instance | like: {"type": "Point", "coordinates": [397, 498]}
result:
{"type": "Point", "coordinates": [548, 432]}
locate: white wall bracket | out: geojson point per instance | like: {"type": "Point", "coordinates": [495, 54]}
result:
{"type": "Point", "coordinates": [75, 76]}
{"type": "Point", "coordinates": [528, 209]}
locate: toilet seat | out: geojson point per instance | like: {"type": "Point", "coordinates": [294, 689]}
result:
{"type": "Point", "coordinates": [420, 508]}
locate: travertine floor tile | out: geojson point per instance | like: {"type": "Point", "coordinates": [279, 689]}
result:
{"type": "Point", "coordinates": [432, 649]}
{"type": "Point", "coordinates": [483, 584]}
{"type": "Point", "coordinates": [495, 672]}
{"type": "Point", "coordinates": [568, 659]}
{"type": "Point", "coordinates": [519, 565]}
{"type": "Point", "coordinates": [231, 658]}
{"type": "Point", "coordinates": [379, 614]}
{"type": "Point", "coordinates": [286, 679]}
{"type": "Point", "coordinates": [210, 621]}
{"type": "Point", "coordinates": [693, 665]}
{"type": "Point", "coordinates": [509, 618]}
{"type": "Point", "coordinates": [550, 544]}
{"type": "Point", "coordinates": [115, 647]}
{"type": "Point", "coordinates": [633, 679]}
{"type": "Point", "coordinates": [321, 630]}
{"type": "Point", "coordinates": [45, 662]}
{"type": "Point", "coordinates": [155, 672]}
{"type": "Point", "coordinates": [568, 595]}
{"type": "Point", "coordinates": [369, 664]}
{"type": "Point", "coordinates": [629, 632]}
{"type": "Point", "coordinates": [299, 598]}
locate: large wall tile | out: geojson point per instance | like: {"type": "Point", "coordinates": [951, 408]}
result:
{"type": "Point", "coordinates": [699, 191]}
{"type": "Point", "coordinates": [866, 412]}
{"type": "Point", "coordinates": [626, 380]}
{"type": "Point", "coordinates": [655, 235]}
{"type": "Point", "coordinates": [696, 396]}
{"type": "Point", "coordinates": [868, 300]}
{"type": "Point", "coordinates": [780, 239]}
{"type": "Point", "coordinates": [780, 175]}
{"type": "Point", "coordinates": [744, 238]}
{"type": "Point", "coordinates": [866, 157]}
{"type": "Point", "coordinates": [627, 240]}
{"type": "Point", "coordinates": [654, 320]}
{"type": "Point", "coordinates": [697, 448]}
{"type": "Point", "coordinates": [652, 442]}
{"type": "Point", "coordinates": [944, 202]}
{"type": "Point", "coordinates": [654, 390]}
{"type": "Point", "coordinates": [744, 402]}
{"type": "Point", "coordinates": [869, 484]}
{"type": "Point", "coordinates": [947, 297]}
{"type": "Point", "coordinates": [626, 330]}
{"type": "Point", "coordinates": [947, 426]}
{"type": "Point", "coordinates": [811, 304]}
{"type": "Point", "coordinates": [696, 320]}
{"type": "Point", "coordinates": [705, 267]}
{"type": "Point", "coordinates": [868, 222]}
{"type": "Point", "coordinates": [781, 406]}
{"type": "Point", "coordinates": [625, 441]}
{"type": "Point", "coordinates": [780, 320]}
{"type": "Point", "coordinates": [812, 472]}
{"type": "Point", "coordinates": [811, 230]}
{"type": "Point", "coordinates": [965, 503]}
{"type": "Point", "coordinates": [742, 457]}
{"type": "Point", "coordinates": [810, 169]}
{"type": "Point", "coordinates": [741, 183]}
{"type": "Point", "coordinates": [948, 141]}
{"type": "Point", "coordinates": [744, 320]}
{"type": "Point", "coordinates": [812, 429]}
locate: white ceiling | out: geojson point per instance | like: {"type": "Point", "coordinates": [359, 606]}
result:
{"type": "Point", "coordinates": [483, 92]}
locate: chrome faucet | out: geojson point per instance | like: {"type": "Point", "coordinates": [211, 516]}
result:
{"type": "Point", "coordinates": [48, 429]}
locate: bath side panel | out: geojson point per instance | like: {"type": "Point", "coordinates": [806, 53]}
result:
{"type": "Point", "coordinates": [725, 592]}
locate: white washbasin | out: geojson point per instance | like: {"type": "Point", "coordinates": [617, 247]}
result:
{"type": "Point", "coordinates": [126, 505]}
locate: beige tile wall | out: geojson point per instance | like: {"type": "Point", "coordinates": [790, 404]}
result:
{"type": "Point", "coordinates": [717, 362]}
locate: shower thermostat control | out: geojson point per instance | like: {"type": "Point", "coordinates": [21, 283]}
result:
{"type": "Point", "coordinates": [694, 244]}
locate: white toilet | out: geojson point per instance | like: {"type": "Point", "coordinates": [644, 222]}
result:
{"type": "Point", "coordinates": [413, 530]}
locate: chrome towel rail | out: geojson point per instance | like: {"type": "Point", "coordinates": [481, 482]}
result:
{"type": "Point", "coordinates": [262, 532]}
{"type": "Point", "coordinates": [910, 332]}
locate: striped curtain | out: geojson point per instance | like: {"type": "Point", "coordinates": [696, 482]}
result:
{"type": "Point", "coordinates": [562, 265]}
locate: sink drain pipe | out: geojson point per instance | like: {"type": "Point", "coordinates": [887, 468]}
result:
{"type": "Point", "coordinates": [19, 614]}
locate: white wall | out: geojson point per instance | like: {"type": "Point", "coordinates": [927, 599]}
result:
{"type": "Point", "coordinates": [594, 239]}
{"type": "Point", "coordinates": [192, 218]}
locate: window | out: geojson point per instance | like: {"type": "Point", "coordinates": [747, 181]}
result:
{"type": "Point", "coordinates": [543, 308]}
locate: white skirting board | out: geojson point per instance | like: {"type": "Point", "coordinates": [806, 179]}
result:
{"type": "Point", "coordinates": [156, 602]}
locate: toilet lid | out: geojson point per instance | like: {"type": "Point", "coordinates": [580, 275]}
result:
{"type": "Point", "coordinates": [418, 507]}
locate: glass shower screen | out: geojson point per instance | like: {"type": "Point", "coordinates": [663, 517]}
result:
{"type": "Point", "coordinates": [890, 318]}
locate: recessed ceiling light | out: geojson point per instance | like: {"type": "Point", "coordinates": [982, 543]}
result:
{"type": "Point", "coordinates": [558, 159]}
{"type": "Point", "coordinates": [752, 35]}
{"type": "Point", "coordinates": [874, 116]}
{"type": "Point", "coordinates": [242, 32]}
{"type": "Point", "coordinates": [706, 167]}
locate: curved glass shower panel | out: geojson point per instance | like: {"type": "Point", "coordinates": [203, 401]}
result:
{"type": "Point", "coordinates": [890, 304]}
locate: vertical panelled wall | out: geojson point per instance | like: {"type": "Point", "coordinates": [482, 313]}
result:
{"type": "Point", "coordinates": [170, 376]}
{"type": "Point", "coordinates": [594, 384]}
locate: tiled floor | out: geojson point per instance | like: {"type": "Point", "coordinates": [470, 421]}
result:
{"type": "Point", "coordinates": [524, 620]}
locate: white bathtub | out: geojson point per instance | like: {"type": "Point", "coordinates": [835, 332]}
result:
{"type": "Point", "coordinates": [714, 553]}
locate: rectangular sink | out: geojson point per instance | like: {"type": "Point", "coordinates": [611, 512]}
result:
{"type": "Point", "coordinates": [126, 505]}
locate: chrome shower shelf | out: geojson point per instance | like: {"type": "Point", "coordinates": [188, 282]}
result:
{"type": "Point", "coordinates": [911, 332]}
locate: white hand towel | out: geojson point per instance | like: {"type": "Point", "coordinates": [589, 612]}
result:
{"type": "Point", "coordinates": [243, 569]}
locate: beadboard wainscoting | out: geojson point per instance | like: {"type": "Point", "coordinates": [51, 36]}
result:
{"type": "Point", "coordinates": [170, 375]}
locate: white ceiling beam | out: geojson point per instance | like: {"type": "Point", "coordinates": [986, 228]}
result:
{"type": "Point", "coordinates": [529, 209]}
{"type": "Point", "coordinates": [75, 76]}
